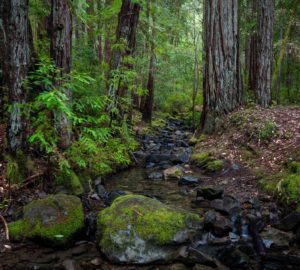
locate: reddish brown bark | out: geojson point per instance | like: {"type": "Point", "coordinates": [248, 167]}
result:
{"type": "Point", "coordinates": [222, 79]}
{"type": "Point", "coordinates": [126, 35]}
{"type": "Point", "coordinates": [61, 53]}
{"type": "Point", "coordinates": [265, 52]}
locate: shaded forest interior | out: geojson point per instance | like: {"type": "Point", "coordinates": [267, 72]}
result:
{"type": "Point", "coordinates": [84, 82]}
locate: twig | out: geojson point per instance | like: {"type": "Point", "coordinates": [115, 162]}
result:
{"type": "Point", "coordinates": [29, 179]}
{"type": "Point", "coordinates": [5, 227]}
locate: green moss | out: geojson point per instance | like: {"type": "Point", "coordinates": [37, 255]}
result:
{"type": "Point", "coordinates": [69, 179]}
{"type": "Point", "coordinates": [68, 220]}
{"type": "Point", "coordinates": [201, 159]}
{"type": "Point", "coordinates": [17, 229]}
{"type": "Point", "coordinates": [13, 171]}
{"type": "Point", "coordinates": [149, 219]}
{"type": "Point", "coordinates": [268, 131]}
{"type": "Point", "coordinates": [214, 166]}
{"type": "Point", "coordinates": [284, 185]}
{"type": "Point", "coordinates": [294, 167]}
{"type": "Point", "coordinates": [289, 188]}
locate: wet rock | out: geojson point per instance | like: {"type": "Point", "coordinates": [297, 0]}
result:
{"type": "Point", "coordinates": [141, 230]}
{"type": "Point", "coordinates": [228, 205]}
{"type": "Point", "coordinates": [69, 264]}
{"type": "Point", "coordinates": [192, 256]}
{"type": "Point", "coordinates": [155, 176]}
{"type": "Point", "coordinates": [173, 173]}
{"type": "Point", "coordinates": [274, 238]}
{"type": "Point", "coordinates": [101, 191]}
{"type": "Point", "coordinates": [113, 195]}
{"type": "Point", "coordinates": [210, 193]}
{"type": "Point", "coordinates": [202, 267]}
{"type": "Point", "coordinates": [188, 181]}
{"type": "Point", "coordinates": [234, 258]}
{"type": "Point", "coordinates": [53, 220]}
{"type": "Point", "coordinates": [218, 224]}
{"type": "Point", "coordinates": [96, 262]}
{"type": "Point", "coordinates": [157, 158]}
{"type": "Point", "coordinates": [290, 222]}
{"type": "Point", "coordinates": [150, 165]}
{"type": "Point", "coordinates": [80, 249]}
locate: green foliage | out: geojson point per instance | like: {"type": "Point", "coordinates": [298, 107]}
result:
{"type": "Point", "coordinates": [97, 148]}
{"type": "Point", "coordinates": [268, 131]}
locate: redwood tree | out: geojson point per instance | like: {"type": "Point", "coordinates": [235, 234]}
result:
{"type": "Point", "coordinates": [222, 79]}
{"type": "Point", "coordinates": [16, 62]}
{"type": "Point", "coordinates": [147, 105]}
{"type": "Point", "coordinates": [264, 52]}
{"type": "Point", "coordinates": [61, 53]}
{"type": "Point", "coordinates": [125, 35]}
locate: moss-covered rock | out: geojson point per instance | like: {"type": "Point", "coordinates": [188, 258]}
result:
{"type": "Point", "coordinates": [201, 159]}
{"type": "Point", "coordinates": [53, 220]}
{"type": "Point", "coordinates": [138, 229]}
{"type": "Point", "coordinates": [173, 173]}
{"type": "Point", "coordinates": [206, 161]}
{"type": "Point", "coordinates": [214, 166]}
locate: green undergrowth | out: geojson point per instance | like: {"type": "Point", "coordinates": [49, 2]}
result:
{"type": "Point", "coordinates": [18, 167]}
{"type": "Point", "coordinates": [206, 161]}
{"type": "Point", "coordinates": [284, 185]}
{"type": "Point", "coordinates": [253, 127]}
{"type": "Point", "coordinates": [101, 143]}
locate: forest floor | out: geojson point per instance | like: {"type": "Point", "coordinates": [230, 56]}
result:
{"type": "Point", "coordinates": [261, 141]}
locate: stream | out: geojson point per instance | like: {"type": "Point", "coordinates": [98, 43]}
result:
{"type": "Point", "coordinates": [243, 228]}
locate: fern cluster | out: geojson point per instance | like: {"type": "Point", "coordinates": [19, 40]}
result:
{"type": "Point", "coordinates": [97, 147]}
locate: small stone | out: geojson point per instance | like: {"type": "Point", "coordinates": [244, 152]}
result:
{"type": "Point", "coordinates": [173, 173]}
{"type": "Point", "coordinates": [188, 181]}
{"type": "Point", "coordinates": [155, 176]}
{"type": "Point", "coordinates": [69, 264]}
{"type": "Point", "coordinates": [210, 193]}
{"type": "Point", "coordinates": [96, 261]}
{"type": "Point", "coordinates": [290, 222]}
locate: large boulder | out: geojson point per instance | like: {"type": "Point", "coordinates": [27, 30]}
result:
{"type": "Point", "coordinates": [53, 220]}
{"type": "Point", "coordinates": [141, 230]}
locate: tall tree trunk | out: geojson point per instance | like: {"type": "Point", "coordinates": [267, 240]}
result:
{"type": "Point", "coordinates": [16, 63]}
{"type": "Point", "coordinates": [147, 108]}
{"type": "Point", "coordinates": [222, 78]}
{"type": "Point", "coordinates": [265, 52]}
{"type": "Point", "coordinates": [61, 53]}
{"type": "Point", "coordinates": [126, 33]}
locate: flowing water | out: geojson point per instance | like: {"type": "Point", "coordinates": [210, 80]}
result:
{"type": "Point", "coordinates": [242, 248]}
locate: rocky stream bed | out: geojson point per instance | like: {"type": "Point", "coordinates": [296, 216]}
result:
{"type": "Point", "coordinates": [164, 214]}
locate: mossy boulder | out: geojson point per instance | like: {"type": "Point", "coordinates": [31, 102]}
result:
{"type": "Point", "coordinates": [207, 162]}
{"type": "Point", "coordinates": [214, 166]}
{"type": "Point", "coordinates": [201, 159]}
{"type": "Point", "coordinates": [138, 230]}
{"type": "Point", "coordinates": [53, 220]}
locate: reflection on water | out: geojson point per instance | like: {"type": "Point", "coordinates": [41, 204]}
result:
{"type": "Point", "coordinates": [136, 181]}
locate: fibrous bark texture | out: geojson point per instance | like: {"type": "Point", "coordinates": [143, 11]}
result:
{"type": "Point", "coordinates": [126, 35]}
{"type": "Point", "coordinates": [265, 52]}
{"type": "Point", "coordinates": [222, 78]}
{"type": "Point", "coordinates": [147, 106]}
{"type": "Point", "coordinates": [16, 43]}
{"type": "Point", "coordinates": [61, 53]}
